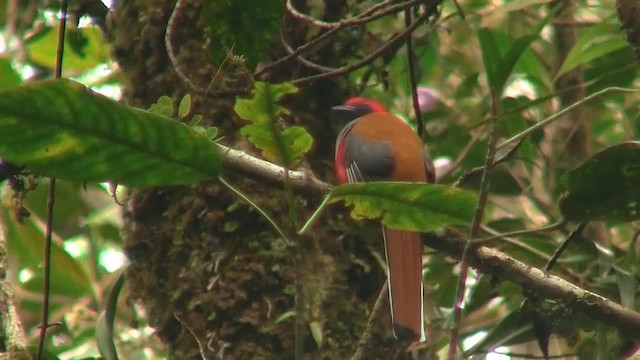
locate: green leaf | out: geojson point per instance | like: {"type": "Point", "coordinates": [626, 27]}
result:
{"type": "Point", "coordinates": [491, 57]}
{"type": "Point", "coordinates": [104, 325]}
{"type": "Point", "coordinates": [85, 49]}
{"type": "Point", "coordinates": [25, 243]}
{"type": "Point", "coordinates": [163, 106]}
{"type": "Point", "coordinates": [605, 186]}
{"type": "Point", "coordinates": [598, 41]}
{"type": "Point", "coordinates": [316, 332]}
{"type": "Point", "coordinates": [185, 106]}
{"type": "Point", "coordinates": [264, 131]}
{"type": "Point", "coordinates": [247, 26]}
{"type": "Point", "coordinates": [510, 58]}
{"type": "Point", "coordinates": [408, 206]}
{"type": "Point", "coordinates": [8, 76]}
{"type": "Point", "coordinates": [61, 128]}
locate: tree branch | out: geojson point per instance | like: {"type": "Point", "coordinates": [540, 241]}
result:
{"type": "Point", "coordinates": [487, 260]}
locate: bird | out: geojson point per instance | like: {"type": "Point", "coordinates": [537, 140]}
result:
{"type": "Point", "coordinates": [376, 145]}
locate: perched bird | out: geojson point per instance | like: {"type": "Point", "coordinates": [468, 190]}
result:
{"type": "Point", "coordinates": [378, 146]}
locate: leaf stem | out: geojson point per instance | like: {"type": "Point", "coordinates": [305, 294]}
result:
{"type": "Point", "coordinates": [559, 114]}
{"type": "Point", "coordinates": [315, 215]}
{"type": "Point", "coordinates": [255, 206]}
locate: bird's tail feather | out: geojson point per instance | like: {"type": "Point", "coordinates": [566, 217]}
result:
{"type": "Point", "coordinates": [403, 250]}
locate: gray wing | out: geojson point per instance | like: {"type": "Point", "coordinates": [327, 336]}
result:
{"type": "Point", "coordinates": [368, 161]}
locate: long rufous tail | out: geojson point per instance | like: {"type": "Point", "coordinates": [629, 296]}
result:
{"type": "Point", "coordinates": [403, 250]}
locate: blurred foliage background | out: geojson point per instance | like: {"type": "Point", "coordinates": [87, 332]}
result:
{"type": "Point", "coordinates": [578, 47]}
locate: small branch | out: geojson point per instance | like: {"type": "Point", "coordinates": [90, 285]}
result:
{"type": "Point", "coordinates": [361, 19]}
{"type": "Point", "coordinates": [487, 260]}
{"type": "Point", "coordinates": [556, 116]}
{"type": "Point", "coordinates": [475, 225]}
{"type": "Point", "coordinates": [543, 284]}
{"type": "Point", "coordinates": [271, 173]}
{"type": "Point", "coordinates": [301, 60]}
{"type": "Point", "coordinates": [366, 335]}
{"type": "Point", "coordinates": [412, 76]}
{"type": "Point", "coordinates": [369, 58]}
{"type": "Point", "coordinates": [51, 198]}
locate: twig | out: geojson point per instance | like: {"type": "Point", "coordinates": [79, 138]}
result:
{"type": "Point", "coordinates": [412, 76]}
{"type": "Point", "coordinates": [366, 335]}
{"type": "Point", "coordinates": [330, 25]}
{"type": "Point", "coordinates": [201, 348]}
{"type": "Point", "coordinates": [564, 245]}
{"type": "Point", "coordinates": [487, 260]}
{"type": "Point", "coordinates": [302, 60]}
{"type": "Point", "coordinates": [44, 318]}
{"type": "Point", "coordinates": [270, 173]}
{"type": "Point", "coordinates": [367, 59]}
{"type": "Point", "coordinates": [556, 116]}
{"type": "Point", "coordinates": [475, 225]}
{"type": "Point", "coordinates": [363, 18]}
{"type": "Point", "coordinates": [495, 262]}
{"type": "Point", "coordinates": [461, 156]}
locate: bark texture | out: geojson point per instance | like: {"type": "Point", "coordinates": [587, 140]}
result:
{"type": "Point", "coordinates": [202, 255]}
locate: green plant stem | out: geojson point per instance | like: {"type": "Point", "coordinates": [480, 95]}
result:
{"type": "Point", "coordinates": [551, 227]}
{"type": "Point", "coordinates": [255, 206]}
{"type": "Point", "coordinates": [559, 114]}
{"type": "Point", "coordinates": [315, 215]}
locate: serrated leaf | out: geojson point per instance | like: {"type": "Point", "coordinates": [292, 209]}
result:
{"type": "Point", "coordinates": [63, 129]}
{"type": "Point", "coordinates": [163, 106]}
{"type": "Point", "coordinates": [104, 325]}
{"type": "Point", "coordinates": [408, 206]}
{"type": "Point", "coordinates": [604, 187]}
{"type": "Point", "coordinates": [278, 145]}
{"type": "Point", "coordinates": [600, 40]}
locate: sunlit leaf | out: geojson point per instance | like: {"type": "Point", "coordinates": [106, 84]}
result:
{"type": "Point", "coordinates": [79, 56]}
{"type": "Point", "coordinates": [605, 186]}
{"type": "Point", "coordinates": [408, 206]}
{"type": "Point", "coordinates": [265, 132]}
{"type": "Point", "coordinates": [61, 128]}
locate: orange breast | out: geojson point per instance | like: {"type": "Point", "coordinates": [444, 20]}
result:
{"type": "Point", "coordinates": [408, 151]}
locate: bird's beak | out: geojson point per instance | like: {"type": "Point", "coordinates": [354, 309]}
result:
{"type": "Point", "coordinates": [344, 109]}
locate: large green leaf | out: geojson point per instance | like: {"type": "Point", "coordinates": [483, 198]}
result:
{"type": "Point", "coordinates": [605, 186]}
{"type": "Point", "coordinates": [408, 206]}
{"type": "Point", "coordinates": [598, 41]}
{"type": "Point", "coordinates": [63, 129]}
{"type": "Point", "coordinates": [277, 144]}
